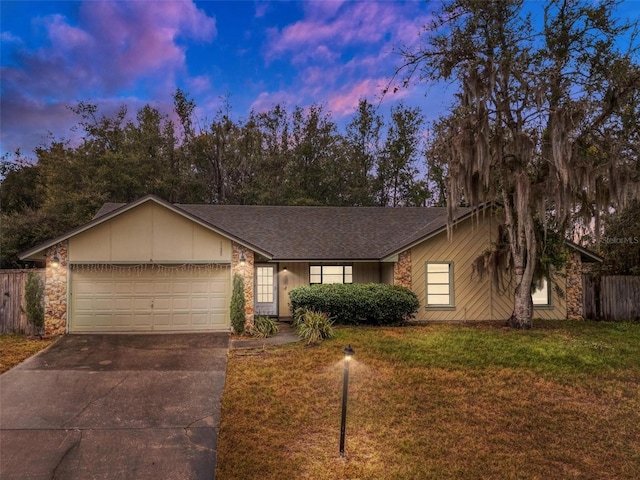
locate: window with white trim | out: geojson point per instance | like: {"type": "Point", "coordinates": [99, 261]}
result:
{"type": "Point", "coordinates": [330, 274]}
{"type": "Point", "coordinates": [439, 278]}
{"type": "Point", "coordinates": [541, 295]}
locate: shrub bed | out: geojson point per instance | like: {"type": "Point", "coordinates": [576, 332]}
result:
{"type": "Point", "coordinates": [357, 303]}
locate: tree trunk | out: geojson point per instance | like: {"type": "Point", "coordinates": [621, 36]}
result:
{"type": "Point", "coordinates": [522, 308]}
{"type": "Point", "coordinates": [524, 263]}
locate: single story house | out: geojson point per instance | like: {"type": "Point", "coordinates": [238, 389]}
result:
{"type": "Point", "coordinates": [151, 266]}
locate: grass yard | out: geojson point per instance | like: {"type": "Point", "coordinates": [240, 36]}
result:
{"type": "Point", "coordinates": [15, 348]}
{"type": "Point", "coordinates": [561, 401]}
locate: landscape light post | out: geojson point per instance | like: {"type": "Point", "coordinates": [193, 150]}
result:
{"type": "Point", "coordinates": [348, 353]}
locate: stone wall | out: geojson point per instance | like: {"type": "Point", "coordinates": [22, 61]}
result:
{"type": "Point", "coordinates": [55, 290]}
{"type": "Point", "coordinates": [246, 271]}
{"type": "Point", "coordinates": [574, 287]}
{"type": "Point", "coordinates": [402, 270]}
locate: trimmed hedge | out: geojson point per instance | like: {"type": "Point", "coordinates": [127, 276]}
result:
{"type": "Point", "coordinates": [358, 303]}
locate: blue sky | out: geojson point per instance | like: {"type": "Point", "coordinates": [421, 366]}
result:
{"type": "Point", "coordinates": [55, 54]}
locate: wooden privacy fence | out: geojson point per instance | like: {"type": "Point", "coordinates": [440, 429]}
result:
{"type": "Point", "coordinates": [612, 297]}
{"type": "Point", "coordinates": [12, 316]}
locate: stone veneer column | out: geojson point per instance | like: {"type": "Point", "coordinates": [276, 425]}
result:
{"type": "Point", "coordinates": [574, 288]}
{"type": "Point", "coordinates": [402, 270]}
{"type": "Point", "coordinates": [246, 271]}
{"type": "Point", "coordinates": [55, 291]}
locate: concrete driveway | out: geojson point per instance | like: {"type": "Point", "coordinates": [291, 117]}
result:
{"type": "Point", "coordinates": [114, 407]}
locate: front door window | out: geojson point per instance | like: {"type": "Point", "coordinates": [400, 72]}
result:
{"type": "Point", "coordinates": [265, 294]}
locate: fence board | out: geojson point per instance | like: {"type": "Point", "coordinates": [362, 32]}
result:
{"type": "Point", "coordinates": [12, 287]}
{"type": "Point", "coordinates": [611, 297]}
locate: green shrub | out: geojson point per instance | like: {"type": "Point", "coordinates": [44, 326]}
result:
{"type": "Point", "coordinates": [313, 327]}
{"type": "Point", "coordinates": [264, 327]}
{"type": "Point", "coordinates": [238, 305]}
{"type": "Point", "coordinates": [353, 304]}
{"type": "Point", "coordinates": [34, 301]}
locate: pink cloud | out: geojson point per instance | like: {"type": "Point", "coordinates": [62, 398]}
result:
{"type": "Point", "coordinates": [9, 38]}
{"type": "Point", "coordinates": [65, 36]}
{"type": "Point", "coordinates": [267, 100]}
{"type": "Point", "coordinates": [201, 83]}
{"type": "Point", "coordinates": [357, 23]}
{"type": "Point", "coordinates": [324, 9]}
{"type": "Point", "coordinates": [345, 102]}
{"type": "Point", "coordinates": [140, 38]}
{"type": "Point", "coordinates": [113, 46]}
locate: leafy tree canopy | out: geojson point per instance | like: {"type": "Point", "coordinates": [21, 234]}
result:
{"type": "Point", "coordinates": [277, 157]}
{"type": "Point", "coordinates": [545, 119]}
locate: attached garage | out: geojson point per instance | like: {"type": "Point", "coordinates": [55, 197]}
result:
{"type": "Point", "coordinates": [152, 298]}
{"type": "Point", "coordinates": [144, 267]}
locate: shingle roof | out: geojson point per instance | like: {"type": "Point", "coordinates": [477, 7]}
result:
{"type": "Point", "coordinates": [304, 233]}
{"type": "Point", "coordinates": [319, 233]}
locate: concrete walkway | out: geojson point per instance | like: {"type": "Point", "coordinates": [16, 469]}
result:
{"type": "Point", "coordinates": [115, 407]}
{"type": "Point", "coordinates": [286, 334]}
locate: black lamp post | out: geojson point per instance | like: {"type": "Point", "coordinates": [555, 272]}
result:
{"type": "Point", "coordinates": [348, 353]}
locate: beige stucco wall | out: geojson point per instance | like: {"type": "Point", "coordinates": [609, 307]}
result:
{"type": "Point", "coordinates": [149, 233]}
{"type": "Point", "coordinates": [474, 299]}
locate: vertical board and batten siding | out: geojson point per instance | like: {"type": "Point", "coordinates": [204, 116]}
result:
{"type": "Point", "coordinates": [297, 275]}
{"type": "Point", "coordinates": [12, 288]}
{"type": "Point", "coordinates": [151, 281]}
{"type": "Point", "coordinates": [146, 234]}
{"type": "Point", "coordinates": [474, 299]}
{"type": "Point", "coordinates": [367, 272]}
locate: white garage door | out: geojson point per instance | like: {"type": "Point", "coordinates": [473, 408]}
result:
{"type": "Point", "coordinates": [152, 299]}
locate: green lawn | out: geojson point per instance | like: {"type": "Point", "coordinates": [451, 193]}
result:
{"type": "Point", "coordinates": [560, 401]}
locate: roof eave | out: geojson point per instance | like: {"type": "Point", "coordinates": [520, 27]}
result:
{"type": "Point", "coordinates": [389, 256]}
{"type": "Point", "coordinates": [37, 252]}
{"type": "Point", "coordinates": [592, 257]}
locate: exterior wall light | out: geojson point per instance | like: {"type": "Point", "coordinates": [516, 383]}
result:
{"type": "Point", "coordinates": [55, 262]}
{"type": "Point", "coordinates": [243, 259]}
{"type": "Point", "coordinates": [348, 353]}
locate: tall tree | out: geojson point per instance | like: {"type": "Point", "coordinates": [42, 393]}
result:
{"type": "Point", "coordinates": [311, 174]}
{"type": "Point", "coordinates": [620, 244]}
{"type": "Point", "coordinates": [362, 143]}
{"type": "Point", "coordinates": [397, 173]}
{"type": "Point", "coordinates": [537, 116]}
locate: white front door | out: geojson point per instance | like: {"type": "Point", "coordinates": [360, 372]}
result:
{"type": "Point", "coordinates": [266, 294]}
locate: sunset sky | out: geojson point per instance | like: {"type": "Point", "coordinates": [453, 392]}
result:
{"type": "Point", "coordinates": [55, 54]}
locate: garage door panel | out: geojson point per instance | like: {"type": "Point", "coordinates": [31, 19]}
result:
{"type": "Point", "coordinates": [162, 303]}
{"type": "Point", "coordinates": [181, 287]}
{"type": "Point", "coordinates": [200, 319]}
{"type": "Point", "coordinates": [218, 302]}
{"type": "Point", "coordinates": [200, 303]}
{"type": "Point", "coordinates": [142, 287]}
{"type": "Point", "coordinates": [136, 304]}
{"type": "Point", "coordinates": [162, 288]}
{"type": "Point", "coordinates": [151, 299]}
{"type": "Point", "coordinates": [120, 288]}
{"type": "Point", "coordinates": [161, 319]}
